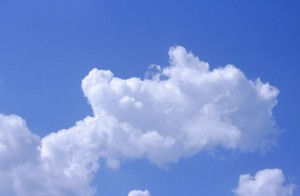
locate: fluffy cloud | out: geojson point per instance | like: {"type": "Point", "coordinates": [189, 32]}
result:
{"type": "Point", "coordinates": [17, 147]}
{"type": "Point", "coordinates": [16, 141]}
{"type": "Point", "coordinates": [23, 171]}
{"type": "Point", "coordinates": [265, 182]}
{"type": "Point", "coordinates": [139, 193]}
{"type": "Point", "coordinates": [176, 111]}
{"type": "Point", "coordinates": [189, 105]}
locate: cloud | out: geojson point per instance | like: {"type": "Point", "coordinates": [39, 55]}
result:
{"type": "Point", "coordinates": [139, 193]}
{"type": "Point", "coordinates": [16, 141]}
{"type": "Point", "coordinates": [17, 147]}
{"type": "Point", "coordinates": [265, 182]}
{"type": "Point", "coordinates": [24, 172]}
{"type": "Point", "coordinates": [188, 105]}
{"type": "Point", "coordinates": [175, 112]}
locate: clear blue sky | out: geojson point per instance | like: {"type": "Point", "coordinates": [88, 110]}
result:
{"type": "Point", "coordinates": [47, 47]}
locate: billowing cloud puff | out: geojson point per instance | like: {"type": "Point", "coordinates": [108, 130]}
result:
{"type": "Point", "coordinates": [265, 182]}
{"type": "Point", "coordinates": [175, 112]}
{"type": "Point", "coordinates": [179, 111]}
{"type": "Point", "coordinates": [23, 171]}
{"type": "Point", "coordinates": [188, 106]}
{"type": "Point", "coordinates": [16, 141]}
{"type": "Point", "coordinates": [18, 146]}
{"type": "Point", "coordinates": [139, 193]}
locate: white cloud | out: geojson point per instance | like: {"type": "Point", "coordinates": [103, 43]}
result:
{"type": "Point", "coordinates": [16, 141]}
{"type": "Point", "coordinates": [24, 172]}
{"type": "Point", "coordinates": [17, 147]}
{"type": "Point", "coordinates": [181, 110]}
{"type": "Point", "coordinates": [265, 182]}
{"type": "Point", "coordinates": [139, 193]}
{"type": "Point", "coordinates": [189, 104]}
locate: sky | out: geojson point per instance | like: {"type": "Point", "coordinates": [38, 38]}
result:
{"type": "Point", "coordinates": [143, 98]}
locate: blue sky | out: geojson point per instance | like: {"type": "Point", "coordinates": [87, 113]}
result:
{"type": "Point", "coordinates": [48, 47]}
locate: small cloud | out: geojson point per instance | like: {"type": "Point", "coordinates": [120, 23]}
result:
{"type": "Point", "coordinates": [265, 182]}
{"type": "Point", "coordinates": [139, 193]}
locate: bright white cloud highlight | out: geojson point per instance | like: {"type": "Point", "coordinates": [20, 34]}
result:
{"type": "Point", "coordinates": [175, 112]}
{"type": "Point", "coordinates": [139, 193]}
{"type": "Point", "coordinates": [265, 182]}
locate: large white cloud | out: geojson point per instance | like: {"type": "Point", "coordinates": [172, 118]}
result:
{"type": "Point", "coordinates": [189, 104]}
{"type": "Point", "coordinates": [174, 112]}
{"type": "Point", "coordinates": [139, 193]}
{"type": "Point", "coordinates": [265, 182]}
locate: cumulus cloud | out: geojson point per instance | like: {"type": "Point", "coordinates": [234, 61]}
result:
{"type": "Point", "coordinates": [16, 141]}
{"type": "Point", "coordinates": [17, 147]}
{"type": "Point", "coordinates": [23, 171]}
{"type": "Point", "coordinates": [139, 193]}
{"type": "Point", "coordinates": [174, 112]}
{"type": "Point", "coordinates": [188, 105]}
{"type": "Point", "coordinates": [265, 182]}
